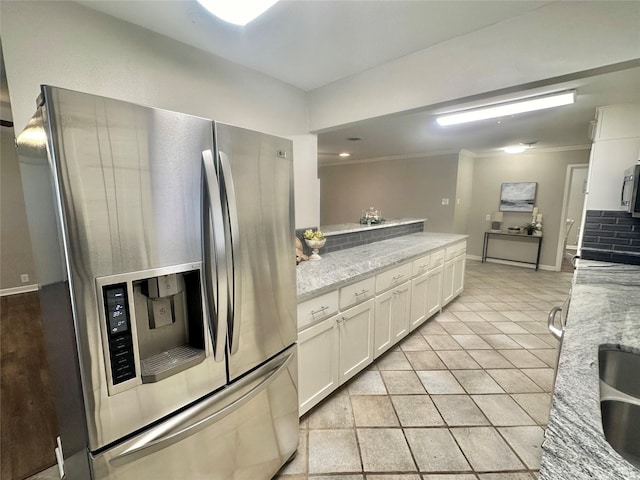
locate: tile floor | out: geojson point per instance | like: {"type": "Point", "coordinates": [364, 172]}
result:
{"type": "Point", "coordinates": [464, 397]}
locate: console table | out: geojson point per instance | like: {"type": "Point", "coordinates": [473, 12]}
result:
{"type": "Point", "coordinates": [509, 236]}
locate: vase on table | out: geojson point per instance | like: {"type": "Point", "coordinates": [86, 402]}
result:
{"type": "Point", "coordinates": [315, 245]}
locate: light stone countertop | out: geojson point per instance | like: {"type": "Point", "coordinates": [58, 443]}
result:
{"type": "Point", "coordinates": [341, 228]}
{"type": "Point", "coordinates": [343, 267]}
{"type": "Point", "coordinates": [604, 309]}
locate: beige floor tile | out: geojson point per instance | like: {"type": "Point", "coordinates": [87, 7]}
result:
{"type": "Point", "coordinates": [534, 327]}
{"type": "Point", "coordinates": [442, 342]}
{"type": "Point", "coordinates": [459, 410]}
{"type": "Point", "coordinates": [373, 411]}
{"type": "Point", "coordinates": [435, 450]}
{"type": "Point", "coordinates": [416, 411]}
{"type": "Point", "coordinates": [486, 298]}
{"type": "Point", "coordinates": [334, 412]}
{"type": "Point", "coordinates": [502, 410]}
{"type": "Point", "coordinates": [490, 359]}
{"type": "Point", "coordinates": [516, 315]}
{"type": "Point", "coordinates": [333, 451]}
{"type": "Point", "coordinates": [393, 361]}
{"type": "Point", "coordinates": [478, 307]}
{"type": "Point", "coordinates": [498, 307]}
{"type": "Point", "coordinates": [385, 450]}
{"type": "Point", "coordinates": [529, 341]}
{"type": "Point", "coordinates": [522, 358]}
{"type": "Point", "coordinates": [505, 476]}
{"type": "Point", "coordinates": [527, 443]}
{"type": "Point", "coordinates": [328, 477]}
{"type": "Point", "coordinates": [432, 327]}
{"type": "Point", "coordinates": [471, 342]}
{"type": "Point", "coordinates": [485, 449]}
{"type": "Point", "coordinates": [474, 381]}
{"type": "Point", "coordinates": [457, 307]}
{"type": "Point", "coordinates": [493, 317]}
{"type": "Point", "coordinates": [406, 476]}
{"type": "Point", "coordinates": [457, 327]}
{"type": "Point", "coordinates": [455, 476]}
{"type": "Point", "coordinates": [457, 360]}
{"type": "Point", "coordinates": [468, 316]}
{"type": "Point", "coordinates": [548, 356]}
{"type": "Point", "coordinates": [367, 383]}
{"type": "Point", "coordinates": [508, 327]}
{"type": "Point", "coordinates": [514, 381]}
{"type": "Point", "coordinates": [425, 361]}
{"type": "Point", "coordinates": [542, 376]}
{"type": "Point", "coordinates": [500, 341]}
{"type": "Point", "coordinates": [439, 382]}
{"type": "Point", "coordinates": [548, 338]}
{"type": "Point", "coordinates": [401, 382]}
{"type": "Point", "coordinates": [414, 343]}
{"type": "Point", "coordinates": [446, 317]}
{"type": "Point", "coordinates": [483, 327]}
{"type": "Point", "coordinates": [537, 405]}
{"type": "Point", "coordinates": [299, 463]}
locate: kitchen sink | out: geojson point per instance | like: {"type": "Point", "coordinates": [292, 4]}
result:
{"type": "Point", "coordinates": [621, 424]}
{"type": "Point", "coordinates": [620, 369]}
{"type": "Point", "coordinates": [620, 400]}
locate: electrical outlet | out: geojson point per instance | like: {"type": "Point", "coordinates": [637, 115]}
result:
{"type": "Point", "coordinates": [487, 217]}
{"type": "Point", "coordinates": [445, 201]}
{"type": "Point", "coordinates": [24, 278]}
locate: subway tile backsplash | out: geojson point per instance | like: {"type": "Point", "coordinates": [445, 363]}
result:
{"type": "Point", "coordinates": [357, 239]}
{"type": "Point", "coordinates": [611, 236]}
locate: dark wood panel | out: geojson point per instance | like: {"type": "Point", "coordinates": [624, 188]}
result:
{"type": "Point", "coordinates": [28, 422]}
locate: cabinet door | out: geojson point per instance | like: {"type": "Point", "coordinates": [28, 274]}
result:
{"type": "Point", "coordinates": [400, 309]}
{"type": "Point", "coordinates": [355, 332]}
{"type": "Point", "coordinates": [419, 287]}
{"type": "Point", "coordinates": [458, 275]}
{"type": "Point", "coordinates": [447, 282]}
{"type": "Point", "coordinates": [317, 363]}
{"type": "Point", "coordinates": [382, 323]}
{"type": "Point", "coordinates": [434, 292]}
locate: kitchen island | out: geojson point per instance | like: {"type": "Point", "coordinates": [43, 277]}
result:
{"type": "Point", "coordinates": [604, 310]}
{"type": "Point", "coordinates": [357, 303]}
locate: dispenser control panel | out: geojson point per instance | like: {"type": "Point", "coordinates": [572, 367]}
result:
{"type": "Point", "coordinates": [116, 305]}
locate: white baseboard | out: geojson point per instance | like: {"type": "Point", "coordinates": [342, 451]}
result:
{"type": "Point", "coordinates": [16, 290]}
{"type": "Point", "coordinates": [514, 264]}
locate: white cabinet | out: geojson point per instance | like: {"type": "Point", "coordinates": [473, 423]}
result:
{"type": "Point", "coordinates": [434, 292]}
{"type": "Point", "coordinates": [357, 292]}
{"type": "Point", "coordinates": [419, 294]}
{"type": "Point", "coordinates": [453, 273]}
{"type": "Point", "coordinates": [317, 308]}
{"type": "Point", "coordinates": [426, 288]}
{"type": "Point", "coordinates": [391, 319]}
{"type": "Point", "coordinates": [317, 363]}
{"type": "Point", "coordinates": [355, 333]}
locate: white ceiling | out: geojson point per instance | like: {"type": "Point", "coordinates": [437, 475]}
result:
{"type": "Point", "coordinates": [309, 43]}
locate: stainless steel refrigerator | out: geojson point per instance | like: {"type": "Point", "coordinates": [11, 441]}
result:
{"type": "Point", "coordinates": [164, 247]}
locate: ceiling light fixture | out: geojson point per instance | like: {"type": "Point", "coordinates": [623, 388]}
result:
{"type": "Point", "coordinates": [344, 154]}
{"type": "Point", "coordinates": [238, 12]}
{"type": "Point", "coordinates": [509, 108]}
{"type": "Point", "coordinates": [515, 149]}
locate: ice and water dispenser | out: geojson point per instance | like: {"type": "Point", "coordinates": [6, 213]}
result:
{"type": "Point", "coordinates": [154, 325]}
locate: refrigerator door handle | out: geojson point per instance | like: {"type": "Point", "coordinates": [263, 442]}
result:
{"type": "Point", "coordinates": [236, 278]}
{"type": "Point", "coordinates": [183, 425]}
{"type": "Point", "coordinates": [214, 257]}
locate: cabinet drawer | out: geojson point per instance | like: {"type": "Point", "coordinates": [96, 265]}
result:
{"type": "Point", "coordinates": [317, 308]}
{"type": "Point", "coordinates": [462, 248]}
{"type": "Point", "coordinates": [357, 292]}
{"type": "Point", "coordinates": [437, 259]}
{"type": "Point", "coordinates": [393, 277]}
{"type": "Point", "coordinates": [451, 253]}
{"type": "Point", "coordinates": [420, 266]}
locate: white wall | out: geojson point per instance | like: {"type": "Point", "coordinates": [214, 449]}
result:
{"type": "Point", "coordinates": [67, 45]}
{"type": "Point", "coordinates": [557, 39]}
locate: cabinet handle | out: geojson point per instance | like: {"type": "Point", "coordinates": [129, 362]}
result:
{"type": "Point", "coordinates": [363, 292]}
{"type": "Point", "coordinates": [397, 292]}
{"type": "Point", "coordinates": [397, 277]}
{"type": "Point", "coordinates": [320, 310]}
{"type": "Point", "coordinates": [341, 319]}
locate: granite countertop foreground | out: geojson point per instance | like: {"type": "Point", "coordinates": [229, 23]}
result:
{"type": "Point", "coordinates": [340, 268]}
{"type": "Point", "coordinates": [604, 309]}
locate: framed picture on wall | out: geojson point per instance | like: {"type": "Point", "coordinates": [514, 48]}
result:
{"type": "Point", "coordinates": [518, 196]}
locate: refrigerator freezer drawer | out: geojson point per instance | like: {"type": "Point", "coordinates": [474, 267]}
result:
{"type": "Point", "coordinates": [247, 431]}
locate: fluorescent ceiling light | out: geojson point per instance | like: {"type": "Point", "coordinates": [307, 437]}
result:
{"type": "Point", "coordinates": [238, 12]}
{"type": "Point", "coordinates": [515, 149]}
{"type": "Point", "coordinates": [510, 108]}
{"type": "Point", "coordinates": [344, 154]}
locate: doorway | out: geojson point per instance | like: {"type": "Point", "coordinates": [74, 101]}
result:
{"type": "Point", "coordinates": [572, 212]}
